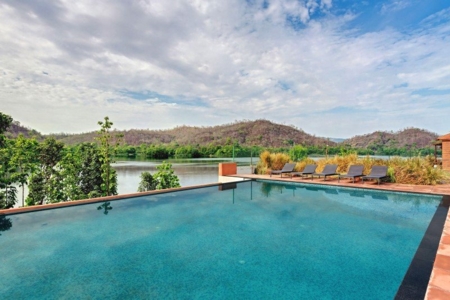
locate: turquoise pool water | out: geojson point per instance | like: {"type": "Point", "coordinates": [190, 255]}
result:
{"type": "Point", "coordinates": [260, 240]}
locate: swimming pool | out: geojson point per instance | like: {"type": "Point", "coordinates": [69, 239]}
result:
{"type": "Point", "coordinates": [249, 240]}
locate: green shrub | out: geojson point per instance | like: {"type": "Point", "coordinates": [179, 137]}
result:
{"type": "Point", "coordinates": [298, 153]}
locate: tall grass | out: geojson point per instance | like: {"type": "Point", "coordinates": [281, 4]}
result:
{"type": "Point", "coordinates": [415, 170]}
{"type": "Point", "coordinates": [271, 161]}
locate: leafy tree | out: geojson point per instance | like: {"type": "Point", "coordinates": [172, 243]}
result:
{"type": "Point", "coordinates": [91, 179]}
{"type": "Point", "coordinates": [8, 198]}
{"type": "Point", "coordinates": [131, 152]}
{"type": "Point", "coordinates": [108, 142]}
{"type": "Point", "coordinates": [165, 177]}
{"type": "Point", "coordinates": [36, 189]}
{"type": "Point", "coordinates": [70, 176]}
{"type": "Point", "coordinates": [148, 183]}
{"type": "Point", "coordinates": [5, 122]}
{"type": "Point", "coordinates": [45, 186]}
{"type": "Point", "coordinates": [24, 160]}
{"type": "Point", "coordinates": [298, 153]}
{"type": "Point", "coordinates": [8, 193]}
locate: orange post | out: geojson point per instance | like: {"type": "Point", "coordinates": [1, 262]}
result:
{"type": "Point", "coordinates": [227, 169]}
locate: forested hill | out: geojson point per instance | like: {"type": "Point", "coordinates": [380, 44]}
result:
{"type": "Point", "coordinates": [247, 133]}
{"type": "Point", "coordinates": [16, 128]}
{"type": "Point", "coordinates": [407, 138]}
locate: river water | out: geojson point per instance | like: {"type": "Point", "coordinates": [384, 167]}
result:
{"type": "Point", "coordinates": [189, 171]}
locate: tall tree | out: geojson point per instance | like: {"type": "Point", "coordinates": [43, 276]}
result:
{"type": "Point", "coordinates": [5, 122]}
{"type": "Point", "coordinates": [8, 193]}
{"type": "Point", "coordinates": [47, 178]}
{"type": "Point", "coordinates": [108, 144]}
{"type": "Point", "coordinates": [24, 160]}
{"type": "Point", "coordinates": [91, 170]}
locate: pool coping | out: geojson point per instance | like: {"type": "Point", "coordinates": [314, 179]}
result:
{"type": "Point", "coordinates": [439, 283]}
{"type": "Point", "coordinates": [19, 210]}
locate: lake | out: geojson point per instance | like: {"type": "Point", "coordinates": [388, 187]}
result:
{"type": "Point", "coordinates": [189, 171]}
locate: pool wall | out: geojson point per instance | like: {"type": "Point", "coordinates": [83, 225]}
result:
{"type": "Point", "coordinates": [19, 210]}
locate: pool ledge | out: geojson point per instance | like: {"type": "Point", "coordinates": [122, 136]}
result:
{"type": "Point", "coordinates": [439, 283]}
{"type": "Point", "coordinates": [25, 209]}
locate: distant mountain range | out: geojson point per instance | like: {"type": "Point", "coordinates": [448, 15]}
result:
{"type": "Point", "coordinates": [260, 132]}
{"type": "Point", "coordinates": [246, 133]}
{"type": "Point", "coordinates": [409, 137]}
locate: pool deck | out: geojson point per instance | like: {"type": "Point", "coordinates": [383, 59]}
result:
{"type": "Point", "coordinates": [439, 284]}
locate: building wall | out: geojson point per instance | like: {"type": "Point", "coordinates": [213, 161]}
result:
{"type": "Point", "coordinates": [446, 155]}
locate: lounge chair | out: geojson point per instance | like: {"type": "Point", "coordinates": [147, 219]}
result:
{"type": "Point", "coordinates": [377, 172]}
{"type": "Point", "coordinates": [329, 170]}
{"type": "Point", "coordinates": [353, 172]}
{"type": "Point", "coordinates": [309, 169]}
{"type": "Point", "coordinates": [287, 168]}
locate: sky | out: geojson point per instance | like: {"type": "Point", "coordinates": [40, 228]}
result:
{"type": "Point", "coordinates": [333, 68]}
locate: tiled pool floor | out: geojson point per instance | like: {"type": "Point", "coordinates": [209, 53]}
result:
{"type": "Point", "coordinates": [439, 284]}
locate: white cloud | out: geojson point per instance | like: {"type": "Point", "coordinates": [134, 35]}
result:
{"type": "Point", "coordinates": [65, 66]}
{"type": "Point", "coordinates": [394, 5]}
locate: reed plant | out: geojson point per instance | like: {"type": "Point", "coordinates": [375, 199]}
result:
{"type": "Point", "coordinates": [271, 161]}
{"type": "Point", "coordinates": [415, 170]}
{"type": "Point", "coordinates": [300, 166]}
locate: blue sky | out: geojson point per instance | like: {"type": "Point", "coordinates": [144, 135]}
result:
{"type": "Point", "coordinates": [332, 68]}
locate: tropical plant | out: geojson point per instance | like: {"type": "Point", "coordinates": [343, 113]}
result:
{"type": "Point", "coordinates": [165, 177]}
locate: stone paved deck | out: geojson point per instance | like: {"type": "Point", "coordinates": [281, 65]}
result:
{"type": "Point", "coordinates": [439, 284]}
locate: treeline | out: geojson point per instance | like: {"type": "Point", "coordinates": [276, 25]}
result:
{"type": "Point", "coordinates": [165, 151]}
{"type": "Point", "coordinates": [53, 172]}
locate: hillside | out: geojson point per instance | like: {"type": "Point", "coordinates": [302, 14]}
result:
{"type": "Point", "coordinates": [15, 129]}
{"type": "Point", "coordinates": [247, 133]}
{"type": "Point", "coordinates": [409, 137]}
{"type": "Point", "coordinates": [260, 132]}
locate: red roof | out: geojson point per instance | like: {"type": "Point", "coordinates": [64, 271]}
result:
{"type": "Point", "coordinates": [444, 137]}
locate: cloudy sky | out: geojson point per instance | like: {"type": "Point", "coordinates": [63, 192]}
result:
{"type": "Point", "coordinates": [334, 68]}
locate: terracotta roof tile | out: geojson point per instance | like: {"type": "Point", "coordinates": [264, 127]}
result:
{"type": "Point", "coordinates": [445, 137]}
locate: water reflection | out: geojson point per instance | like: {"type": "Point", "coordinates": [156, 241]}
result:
{"type": "Point", "coordinates": [5, 223]}
{"type": "Point", "coordinates": [106, 207]}
{"type": "Point", "coordinates": [228, 186]}
{"type": "Point", "coordinates": [268, 187]}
